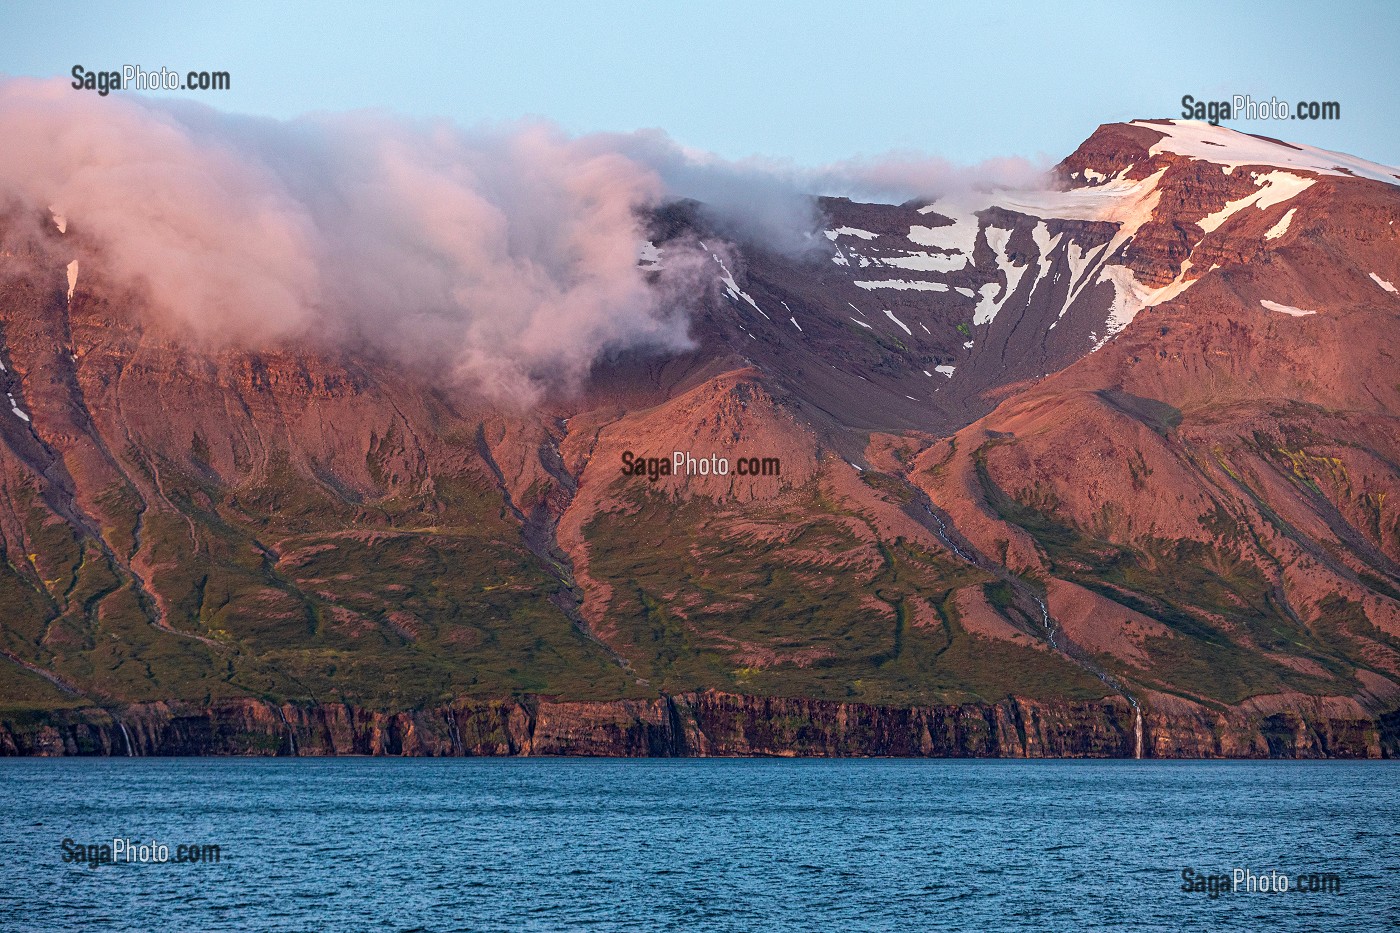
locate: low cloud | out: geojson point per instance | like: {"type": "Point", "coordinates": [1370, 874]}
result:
{"type": "Point", "coordinates": [504, 257]}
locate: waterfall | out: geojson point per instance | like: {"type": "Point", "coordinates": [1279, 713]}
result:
{"type": "Point", "coordinates": [943, 533]}
{"type": "Point", "coordinates": [126, 737]}
{"type": "Point", "coordinates": [1137, 730]}
{"type": "Point", "coordinates": [291, 733]}
{"type": "Point", "coordinates": [1071, 652]}
{"type": "Point", "coordinates": [1053, 635]}
{"type": "Point", "coordinates": [456, 735]}
{"type": "Point", "coordinates": [1050, 630]}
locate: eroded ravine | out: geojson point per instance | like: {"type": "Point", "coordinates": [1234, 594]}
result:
{"type": "Point", "coordinates": [1028, 601]}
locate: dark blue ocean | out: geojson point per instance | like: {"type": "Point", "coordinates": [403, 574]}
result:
{"type": "Point", "coordinates": [744, 845]}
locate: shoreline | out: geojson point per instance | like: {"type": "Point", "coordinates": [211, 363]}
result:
{"type": "Point", "coordinates": [699, 725]}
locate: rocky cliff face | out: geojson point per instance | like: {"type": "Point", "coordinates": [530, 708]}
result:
{"type": "Point", "coordinates": [705, 724]}
{"type": "Point", "coordinates": [1041, 463]}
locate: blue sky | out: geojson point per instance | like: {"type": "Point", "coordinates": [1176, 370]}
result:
{"type": "Point", "coordinates": [810, 82]}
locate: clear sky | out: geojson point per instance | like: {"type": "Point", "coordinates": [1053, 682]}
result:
{"type": "Point", "coordinates": [811, 82]}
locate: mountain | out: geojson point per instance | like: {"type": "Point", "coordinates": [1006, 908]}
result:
{"type": "Point", "coordinates": [1099, 470]}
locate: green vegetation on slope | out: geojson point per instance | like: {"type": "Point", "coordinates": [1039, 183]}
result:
{"type": "Point", "coordinates": [800, 597]}
{"type": "Point", "coordinates": [290, 591]}
{"type": "Point", "coordinates": [1221, 610]}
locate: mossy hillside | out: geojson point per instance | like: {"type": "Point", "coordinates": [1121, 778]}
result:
{"type": "Point", "coordinates": [815, 605]}
{"type": "Point", "coordinates": [1192, 588]}
{"type": "Point", "coordinates": [441, 600]}
{"type": "Point", "coordinates": [402, 598]}
{"type": "Point", "coordinates": [22, 691]}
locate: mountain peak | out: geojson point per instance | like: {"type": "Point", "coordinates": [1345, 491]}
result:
{"type": "Point", "coordinates": [1140, 147]}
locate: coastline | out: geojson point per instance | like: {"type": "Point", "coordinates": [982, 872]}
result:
{"type": "Point", "coordinates": [701, 724]}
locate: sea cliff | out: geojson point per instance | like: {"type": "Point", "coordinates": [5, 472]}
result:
{"type": "Point", "coordinates": [706, 724]}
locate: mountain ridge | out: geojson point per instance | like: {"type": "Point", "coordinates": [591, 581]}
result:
{"type": "Point", "coordinates": [1004, 436]}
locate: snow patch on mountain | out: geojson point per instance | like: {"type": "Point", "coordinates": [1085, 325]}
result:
{"type": "Point", "coordinates": [1280, 228]}
{"type": "Point", "coordinates": [926, 262]}
{"type": "Point", "coordinates": [1284, 309]}
{"type": "Point", "coordinates": [1045, 244]}
{"type": "Point", "coordinates": [989, 304]}
{"type": "Point", "coordinates": [1079, 262]}
{"type": "Point", "coordinates": [890, 314]}
{"type": "Point", "coordinates": [1128, 299]}
{"type": "Point", "coordinates": [1230, 149]}
{"type": "Point", "coordinates": [1275, 188]}
{"type": "Point", "coordinates": [850, 231]}
{"type": "Point", "coordinates": [997, 238]}
{"type": "Point", "coordinates": [731, 288]}
{"type": "Point", "coordinates": [1129, 204]}
{"type": "Point", "coordinates": [902, 285]}
{"type": "Point", "coordinates": [958, 237]}
{"type": "Point", "coordinates": [1130, 296]}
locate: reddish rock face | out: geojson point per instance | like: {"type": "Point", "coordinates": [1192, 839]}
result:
{"type": "Point", "coordinates": [708, 725]}
{"type": "Point", "coordinates": [1047, 462]}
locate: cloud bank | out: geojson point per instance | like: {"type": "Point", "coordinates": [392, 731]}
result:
{"type": "Point", "coordinates": [503, 256]}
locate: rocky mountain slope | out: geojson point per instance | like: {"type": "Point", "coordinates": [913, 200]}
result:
{"type": "Point", "coordinates": [1101, 470]}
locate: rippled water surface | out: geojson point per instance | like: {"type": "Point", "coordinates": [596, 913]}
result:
{"type": "Point", "coordinates": [367, 844]}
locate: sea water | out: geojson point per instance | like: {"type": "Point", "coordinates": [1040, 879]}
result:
{"type": "Point", "coordinates": [743, 845]}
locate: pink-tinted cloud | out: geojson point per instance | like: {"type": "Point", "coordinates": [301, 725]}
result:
{"type": "Point", "coordinates": [504, 256]}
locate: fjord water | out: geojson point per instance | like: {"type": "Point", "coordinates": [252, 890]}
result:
{"type": "Point", "coordinates": [570, 844]}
